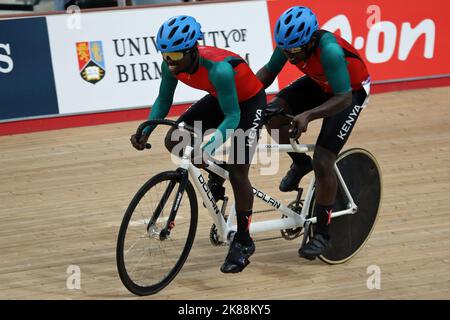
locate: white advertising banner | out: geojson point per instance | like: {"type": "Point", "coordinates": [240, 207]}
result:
{"type": "Point", "coordinates": [108, 60]}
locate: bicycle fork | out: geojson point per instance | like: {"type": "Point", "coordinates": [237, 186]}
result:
{"type": "Point", "coordinates": [170, 224]}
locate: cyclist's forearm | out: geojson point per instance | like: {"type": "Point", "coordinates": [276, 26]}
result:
{"type": "Point", "coordinates": [276, 62]}
{"type": "Point", "coordinates": [269, 72]}
{"type": "Point", "coordinates": [162, 104]}
{"type": "Point", "coordinates": [332, 106]}
{"type": "Point", "coordinates": [158, 111]}
{"type": "Point", "coordinates": [223, 132]}
{"type": "Point", "coordinates": [230, 108]}
{"type": "Point", "coordinates": [222, 77]}
{"type": "Point", "coordinates": [266, 77]}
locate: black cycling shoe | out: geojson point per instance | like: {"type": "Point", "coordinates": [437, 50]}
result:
{"type": "Point", "coordinates": [237, 258]}
{"type": "Point", "coordinates": [292, 178]}
{"type": "Point", "coordinates": [315, 247]}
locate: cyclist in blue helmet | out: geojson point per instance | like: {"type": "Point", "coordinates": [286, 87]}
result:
{"type": "Point", "coordinates": [235, 100]}
{"type": "Point", "coordinates": [295, 28]}
{"type": "Point", "coordinates": [335, 88]}
{"type": "Point", "coordinates": [178, 33]}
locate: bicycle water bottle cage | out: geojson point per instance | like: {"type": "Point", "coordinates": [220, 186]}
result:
{"type": "Point", "coordinates": [217, 190]}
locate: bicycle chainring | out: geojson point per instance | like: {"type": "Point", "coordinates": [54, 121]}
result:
{"type": "Point", "coordinates": [291, 234]}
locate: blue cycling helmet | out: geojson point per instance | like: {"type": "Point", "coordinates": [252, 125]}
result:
{"type": "Point", "coordinates": [295, 27]}
{"type": "Point", "coordinates": [178, 33]}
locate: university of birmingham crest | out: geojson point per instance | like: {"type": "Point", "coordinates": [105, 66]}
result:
{"type": "Point", "coordinates": [91, 61]}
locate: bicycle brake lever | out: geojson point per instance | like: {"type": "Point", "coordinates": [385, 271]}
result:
{"type": "Point", "coordinates": [294, 132]}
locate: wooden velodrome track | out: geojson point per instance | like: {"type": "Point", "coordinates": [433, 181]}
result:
{"type": "Point", "coordinates": [63, 194]}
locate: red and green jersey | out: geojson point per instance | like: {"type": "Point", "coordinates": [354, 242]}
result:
{"type": "Point", "coordinates": [208, 75]}
{"type": "Point", "coordinates": [334, 64]}
{"type": "Point", "coordinates": [221, 73]}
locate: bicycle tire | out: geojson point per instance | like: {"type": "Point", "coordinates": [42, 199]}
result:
{"type": "Point", "coordinates": [153, 286]}
{"type": "Point", "coordinates": [349, 233]}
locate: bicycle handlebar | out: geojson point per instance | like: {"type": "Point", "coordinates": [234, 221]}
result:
{"type": "Point", "coordinates": [171, 123]}
{"type": "Point", "coordinates": [143, 125]}
{"type": "Point", "coordinates": [294, 142]}
{"type": "Point", "coordinates": [181, 125]}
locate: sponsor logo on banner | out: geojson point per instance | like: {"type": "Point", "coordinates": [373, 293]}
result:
{"type": "Point", "coordinates": [383, 37]}
{"type": "Point", "coordinates": [130, 48]}
{"type": "Point", "coordinates": [394, 39]}
{"type": "Point", "coordinates": [6, 61]}
{"type": "Point", "coordinates": [138, 51]}
{"type": "Point", "coordinates": [27, 84]}
{"type": "Point", "coordinates": [91, 61]}
{"type": "Point", "coordinates": [130, 73]}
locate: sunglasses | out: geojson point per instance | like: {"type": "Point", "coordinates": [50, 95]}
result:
{"type": "Point", "coordinates": [174, 56]}
{"type": "Point", "coordinates": [296, 50]}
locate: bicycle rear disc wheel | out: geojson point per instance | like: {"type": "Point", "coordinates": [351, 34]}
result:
{"type": "Point", "coordinates": [350, 232]}
{"type": "Point", "coordinates": [145, 262]}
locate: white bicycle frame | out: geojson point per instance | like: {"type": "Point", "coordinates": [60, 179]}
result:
{"type": "Point", "coordinates": [293, 220]}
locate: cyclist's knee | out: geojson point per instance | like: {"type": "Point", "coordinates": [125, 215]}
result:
{"type": "Point", "coordinates": [176, 140]}
{"type": "Point", "coordinates": [276, 122]}
{"type": "Point", "coordinates": [168, 141]}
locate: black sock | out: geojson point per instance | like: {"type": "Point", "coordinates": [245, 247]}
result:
{"type": "Point", "coordinates": [323, 214]}
{"type": "Point", "coordinates": [300, 159]}
{"type": "Point", "coordinates": [242, 235]}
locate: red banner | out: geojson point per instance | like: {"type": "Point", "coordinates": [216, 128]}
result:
{"type": "Point", "coordinates": [399, 39]}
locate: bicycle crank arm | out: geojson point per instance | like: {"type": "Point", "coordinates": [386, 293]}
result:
{"type": "Point", "coordinates": [306, 232]}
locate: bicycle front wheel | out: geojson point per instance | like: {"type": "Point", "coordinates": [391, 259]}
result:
{"type": "Point", "coordinates": [147, 262]}
{"type": "Point", "coordinates": [350, 232]}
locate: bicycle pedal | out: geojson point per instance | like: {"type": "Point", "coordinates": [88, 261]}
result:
{"type": "Point", "coordinates": [306, 227]}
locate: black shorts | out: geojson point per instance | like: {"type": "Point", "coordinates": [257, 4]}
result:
{"type": "Point", "coordinates": [305, 94]}
{"type": "Point", "coordinates": [244, 141]}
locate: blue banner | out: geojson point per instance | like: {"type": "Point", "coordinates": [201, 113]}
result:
{"type": "Point", "coordinates": [27, 84]}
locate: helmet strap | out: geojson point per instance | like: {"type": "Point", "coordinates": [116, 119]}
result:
{"type": "Point", "coordinates": [195, 58]}
{"type": "Point", "coordinates": [313, 43]}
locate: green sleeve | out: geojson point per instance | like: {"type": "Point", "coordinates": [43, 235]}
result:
{"type": "Point", "coordinates": [334, 64]}
{"type": "Point", "coordinates": [276, 62]}
{"type": "Point", "coordinates": [221, 76]}
{"type": "Point", "coordinates": [161, 107]}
